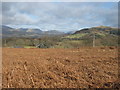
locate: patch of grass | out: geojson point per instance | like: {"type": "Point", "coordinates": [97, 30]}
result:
{"type": "Point", "coordinates": [29, 47]}
{"type": "Point", "coordinates": [69, 44]}
{"type": "Point", "coordinates": [102, 34]}
{"type": "Point", "coordinates": [75, 35]}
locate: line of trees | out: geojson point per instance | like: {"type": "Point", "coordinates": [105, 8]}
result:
{"type": "Point", "coordinates": [58, 42]}
{"type": "Point", "coordinates": [44, 42]}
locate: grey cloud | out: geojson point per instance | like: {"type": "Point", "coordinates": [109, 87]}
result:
{"type": "Point", "coordinates": [59, 15]}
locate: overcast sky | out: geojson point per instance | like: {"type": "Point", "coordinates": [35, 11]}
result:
{"type": "Point", "coordinates": [63, 16]}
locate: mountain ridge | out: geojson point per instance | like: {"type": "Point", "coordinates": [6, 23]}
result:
{"type": "Point", "coordinates": [27, 32]}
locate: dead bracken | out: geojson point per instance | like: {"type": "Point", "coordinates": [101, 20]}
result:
{"type": "Point", "coordinates": [60, 68]}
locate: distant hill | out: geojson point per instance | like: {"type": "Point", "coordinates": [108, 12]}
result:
{"type": "Point", "coordinates": [94, 36]}
{"type": "Point", "coordinates": [70, 32]}
{"type": "Point", "coordinates": [53, 32]}
{"type": "Point", "coordinates": [103, 36]}
{"type": "Point", "coordinates": [104, 29]}
{"type": "Point", "coordinates": [31, 30]}
{"type": "Point", "coordinates": [26, 32]}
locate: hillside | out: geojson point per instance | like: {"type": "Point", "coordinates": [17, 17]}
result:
{"type": "Point", "coordinates": [26, 32]}
{"type": "Point", "coordinates": [104, 36]}
{"type": "Point", "coordinates": [103, 29]}
{"type": "Point", "coordinates": [99, 36]}
{"type": "Point", "coordinates": [53, 32]}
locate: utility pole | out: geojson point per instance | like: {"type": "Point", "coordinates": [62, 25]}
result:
{"type": "Point", "coordinates": [94, 39]}
{"type": "Point", "coordinates": [5, 43]}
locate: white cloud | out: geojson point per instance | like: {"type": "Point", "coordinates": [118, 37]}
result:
{"type": "Point", "coordinates": [61, 1]}
{"type": "Point", "coordinates": [64, 16]}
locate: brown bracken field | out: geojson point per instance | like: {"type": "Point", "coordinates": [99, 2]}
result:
{"type": "Point", "coordinates": [85, 67]}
